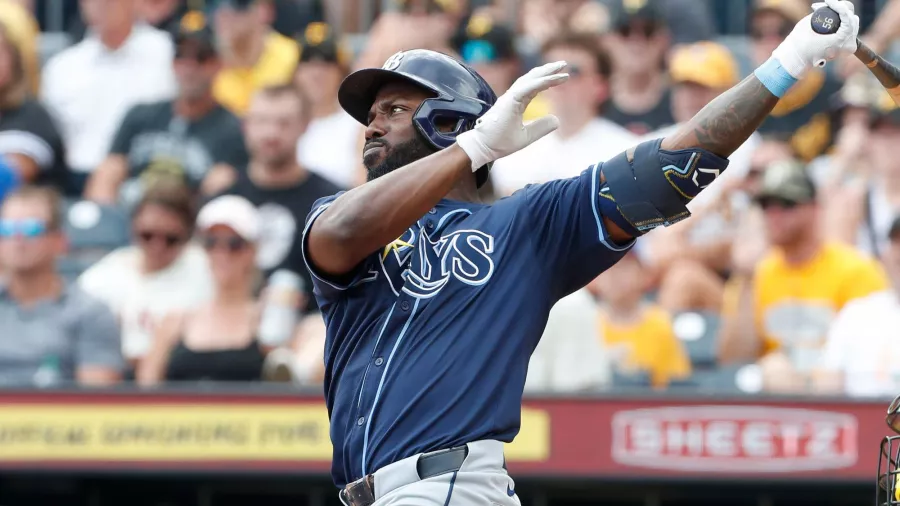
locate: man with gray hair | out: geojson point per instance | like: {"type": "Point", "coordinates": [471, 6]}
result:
{"type": "Point", "coordinates": [50, 333]}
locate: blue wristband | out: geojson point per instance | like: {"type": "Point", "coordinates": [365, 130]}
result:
{"type": "Point", "coordinates": [774, 77]}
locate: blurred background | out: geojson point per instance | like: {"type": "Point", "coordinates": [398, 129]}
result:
{"type": "Point", "coordinates": [159, 343]}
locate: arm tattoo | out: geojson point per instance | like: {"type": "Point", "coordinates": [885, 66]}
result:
{"type": "Point", "coordinates": [888, 74]}
{"type": "Point", "coordinates": [726, 122]}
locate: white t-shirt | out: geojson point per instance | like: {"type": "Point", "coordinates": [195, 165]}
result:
{"type": "Point", "coordinates": [89, 88]}
{"type": "Point", "coordinates": [863, 344]}
{"type": "Point", "coordinates": [553, 157]}
{"type": "Point", "coordinates": [140, 300]}
{"type": "Point", "coordinates": [330, 148]}
{"type": "Point", "coordinates": [570, 356]}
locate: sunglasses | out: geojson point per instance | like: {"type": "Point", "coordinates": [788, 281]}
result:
{"type": "Point", "coordinates": [646, 30]}
{"type": "Point", "coordinates": [169, 239]}
{"type": "Point", "coordinates": [231, 244]}
{"type": "Point", "coordinates": [770, 202]}
{"type": "Point", "coordinates": [28, 229]}
{"type": "Point", "coordinates": [196, 56]}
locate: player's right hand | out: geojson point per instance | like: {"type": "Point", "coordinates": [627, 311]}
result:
{"type": "Point", "coordinates": [502, 131]}
{"type": "Point", "coordinates": [804, 48]}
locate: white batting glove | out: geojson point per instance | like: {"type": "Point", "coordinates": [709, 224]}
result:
{"type": "Point", "coordinates": [501, 131]}
{"type": "Point", "coordinates": [804, 48]}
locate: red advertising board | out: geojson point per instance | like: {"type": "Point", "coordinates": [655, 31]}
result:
{"type": "Point", "coordinates": [658, 437]}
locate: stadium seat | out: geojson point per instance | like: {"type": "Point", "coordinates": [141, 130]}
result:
{"type": "Point", "coordinates": [92, 231]}
{"type": "Point", "coordinates": [630, 380]}
{"type": "Point", "coordinates": [734, 379]}
{"type": "Point", "coordinates": [698, 332]}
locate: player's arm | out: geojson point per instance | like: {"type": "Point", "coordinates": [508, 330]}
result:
{"type": "Point", "coordinates": [650, 185]}
{"type": "Point", "coordinates": [371, 215]}
{"type": "Point", "coordinates": [366, 218]}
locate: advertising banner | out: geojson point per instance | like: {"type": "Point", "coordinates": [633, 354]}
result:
{"type": "Point", "coordinates": [753, 438]}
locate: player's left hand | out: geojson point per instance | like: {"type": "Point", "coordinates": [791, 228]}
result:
{"type": "Point", "coordinates": [502, 131]}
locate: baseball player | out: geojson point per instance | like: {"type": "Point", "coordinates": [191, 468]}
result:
{"type": "Point", "coordinates": [434, 301]}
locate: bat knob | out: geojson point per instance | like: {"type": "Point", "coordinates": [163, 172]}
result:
{"type": "Point", "coordinates": [825, 21]}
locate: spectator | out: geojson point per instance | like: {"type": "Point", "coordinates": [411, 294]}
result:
{"type": "Point", "coordinates": [29, 139]}
{"type": "Point", "coordinates": [637, 333]}
{"type": "Point", "coordinates": [253, 54]}
{"type": "Point", "coordinates": [692, 255]}
{"type": "Point", "coordinates": [418, 24]}
{"type": "Point", "coordinates": [23, 32]}
{"type": "Point", "coordinates": [90, 86]}
{"type": "Point", "coordinates": [489, 48]}
{"type": "Point", "coordinates": [49, 332]}
{"type": "Point", "coordinates": [192, 138]}
{"type": "Point", "coordinates": [779, 307]}
{"type": "Point", "coordinates": [216, 341]}
{"type": "Point", "coordinates": [329, 145]}
{"type": "Point", "coordinates": [868, 196]}
{"type": "Point", "coordinates": [569, 357]}
{"type": "Point", "coordinates": [802, 113]}
{"type": "Point", "coordinates": [543, 20]}
{"type": "Point", "coordinates": [165, 15]}
{"type": "Point", "coordinates": [640, 99]}
{"type": "Point", "coordinates": [861, 354]}
{"type": "Point", "coordinates": [283, 190]}
{"type": "Point", "coordinates": [583, 138]}
{"type": "Point", "coordinates": [161, 273]}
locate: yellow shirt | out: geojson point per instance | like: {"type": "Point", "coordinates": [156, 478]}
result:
{"type": "Point", "coordinates": [234, 87]}
{"type": "Point", "coordinates": [24, 32]}
{"type": "Point", "coordinates": [795, 304]}
{"type": "Point", "coordinates": [652, 345]}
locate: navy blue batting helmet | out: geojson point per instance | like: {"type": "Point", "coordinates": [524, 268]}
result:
{"type": "Point", "coordinates": [460, 94]}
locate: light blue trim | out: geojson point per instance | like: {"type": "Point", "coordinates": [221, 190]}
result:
{"type": "Point", "coordinates": [444, 218]}
{"type": "Point", "coordinates": [774, 77]}
{"type": "Point", "coordinates": [377, 340]}
{"type": "Point", "coordinates": [387, 367]}
{"type": "Point", "coordinates": [601, 230]}
{"type": "Point", "coordinates": [450, 490]}
{"type": "Point", "coordinates": [687, 168]}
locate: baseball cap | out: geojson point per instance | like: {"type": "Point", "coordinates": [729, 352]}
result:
{"type": "Point", "coordinates": [627, 11]}
{"type": "Point", "coordinates": [484, 41]}
{"type": "Point", "coordinates": [194, 28]}
{"type": "Point", "coordinates": [318, 42]}
{"type": "Point", "coordinates": [234, 212]}
{"type": "Point", "coordinates": [787, 180]}
{"type": "Point", "coordinates": [792, 10]}
{"type": "Point", "coordinates": [706, 63]}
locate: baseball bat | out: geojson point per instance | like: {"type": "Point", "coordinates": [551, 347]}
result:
{"type": "Point", "coordinates": [825, 21]}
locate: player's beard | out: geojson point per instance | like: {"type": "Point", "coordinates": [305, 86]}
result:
{"type": "Point", "coordinates": [398, 156]}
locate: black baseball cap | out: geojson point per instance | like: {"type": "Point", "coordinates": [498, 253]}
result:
{"type": "Point", "coordinates": [194, 28]}
{"type": "Point", "coordinates": [485, 41]}
{"type": "Point", "coordinates": [625, 12]}
{"type": "Point", "coordinates": [319, 42]}
{"type": "Point", "coordinates": [787, 180]}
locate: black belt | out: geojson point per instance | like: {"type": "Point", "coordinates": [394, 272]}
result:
{"type": "Point", "coordinates": [362, 492]}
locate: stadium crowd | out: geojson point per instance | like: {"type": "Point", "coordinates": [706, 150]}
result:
{"type": "Point", "coordinates": [158, 166]}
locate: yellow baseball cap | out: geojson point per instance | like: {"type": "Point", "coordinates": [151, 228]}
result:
{"type": "Point", "coordinates": [706, 63]}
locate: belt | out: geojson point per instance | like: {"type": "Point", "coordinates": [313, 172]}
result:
{"type": "Point", "coordinates": [362, 492]}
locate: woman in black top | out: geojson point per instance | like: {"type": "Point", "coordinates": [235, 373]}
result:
{"type": "Point", "coordinates": [217, 341]}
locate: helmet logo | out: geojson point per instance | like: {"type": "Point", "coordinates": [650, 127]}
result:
{"type": "Point", "coordinates": [394, 61]}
